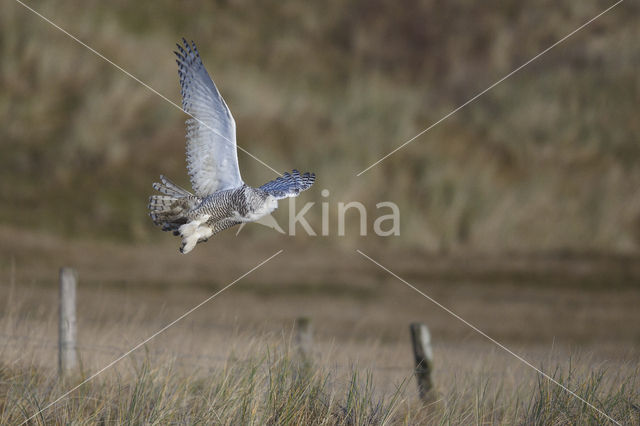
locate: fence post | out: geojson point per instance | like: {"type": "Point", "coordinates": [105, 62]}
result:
{"type": "Point", "coordinates": [304, 337]}
{"type": "Point", "coordinates": [423, 354]}
{"type": "Point", "coordinates": [67, 327]}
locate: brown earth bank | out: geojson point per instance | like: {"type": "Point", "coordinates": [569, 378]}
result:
{"type": "Point", "coordinates": [546, 160]}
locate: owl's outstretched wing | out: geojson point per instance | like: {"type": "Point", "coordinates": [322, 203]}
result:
{"type": "Point", "coordinates": [289, 185]}
{"type": "Point", "coordinates": [212, 157]}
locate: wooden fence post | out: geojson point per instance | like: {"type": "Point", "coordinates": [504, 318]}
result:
{"type": "Point", "coordinates": [67, 326]}
{"type": "Point", "coordinates": [304, 337]}
{"type": "Point", "coordinates": [421, 339]}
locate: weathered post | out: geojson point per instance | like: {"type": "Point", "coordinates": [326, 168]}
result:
{"type": "Point", "coordinates": [304, 337]}
{"type": "Point", "coordinates": [67, 330]}
{"type": "Point", "coordinates": [421, 339]}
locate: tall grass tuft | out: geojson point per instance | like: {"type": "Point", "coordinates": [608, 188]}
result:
{"type": "Point", "coordinates": [278, 388]}
{"type": "Point", "coordinates": [274, 389]}
{"type": "Point", "coordinates": [551, 404]}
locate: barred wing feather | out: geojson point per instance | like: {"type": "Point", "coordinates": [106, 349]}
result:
{"type": "Point", "coordinates": [289, 184]}
{"type": "Point", "coordinates": [212, 157]}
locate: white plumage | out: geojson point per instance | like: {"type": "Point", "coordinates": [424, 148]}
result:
{"type": "Point", "coordinates": [220, 199]}
{"type": "Point", "coordinates": [212, 156]}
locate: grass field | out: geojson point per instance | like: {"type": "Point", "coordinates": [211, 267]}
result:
{"type": "Point", "coordinates": [520, 213]}
{"type": "Point", "coordinates": [234, 360]}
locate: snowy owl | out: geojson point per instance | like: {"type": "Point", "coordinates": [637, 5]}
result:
{"type": "Point", "coordinates": [220, 199]}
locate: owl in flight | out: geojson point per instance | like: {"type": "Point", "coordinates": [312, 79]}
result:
{"type": "Point", "coordinates": [220, 198]}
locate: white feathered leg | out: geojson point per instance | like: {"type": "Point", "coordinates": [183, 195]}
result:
{"type": "Point", "coordinates": [194, 232]}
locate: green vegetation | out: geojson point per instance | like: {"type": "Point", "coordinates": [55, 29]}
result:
{"type": "Point", "coordinates": [544, 161]}
{"type": "Point", "coordinates": [261, 391]}
{"type": "Point", "coordinates": [278, 389]}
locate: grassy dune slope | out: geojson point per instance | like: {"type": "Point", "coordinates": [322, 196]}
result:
{"type": "Point", "coordinates": [544, 161]}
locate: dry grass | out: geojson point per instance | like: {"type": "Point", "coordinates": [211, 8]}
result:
{"type": "Point", "coordinates": [545, 161]}
{"type": "Point", "coordinates": [277, 389]}
{"type": "Point", "coordinates": [211, 375]}
{"type": "Point", "coordinates": [235, 359]}
{"type": "Point", "coordinates": [538, 170]}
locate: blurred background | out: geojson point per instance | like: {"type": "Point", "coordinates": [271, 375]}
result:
{"type": "Point", "coordinates": [545, 161]}
{"type": "Point", "coordinates": [521, 212]}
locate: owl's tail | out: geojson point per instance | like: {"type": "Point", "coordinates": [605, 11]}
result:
{"type": "Point", "coordinates": [170, 210]}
